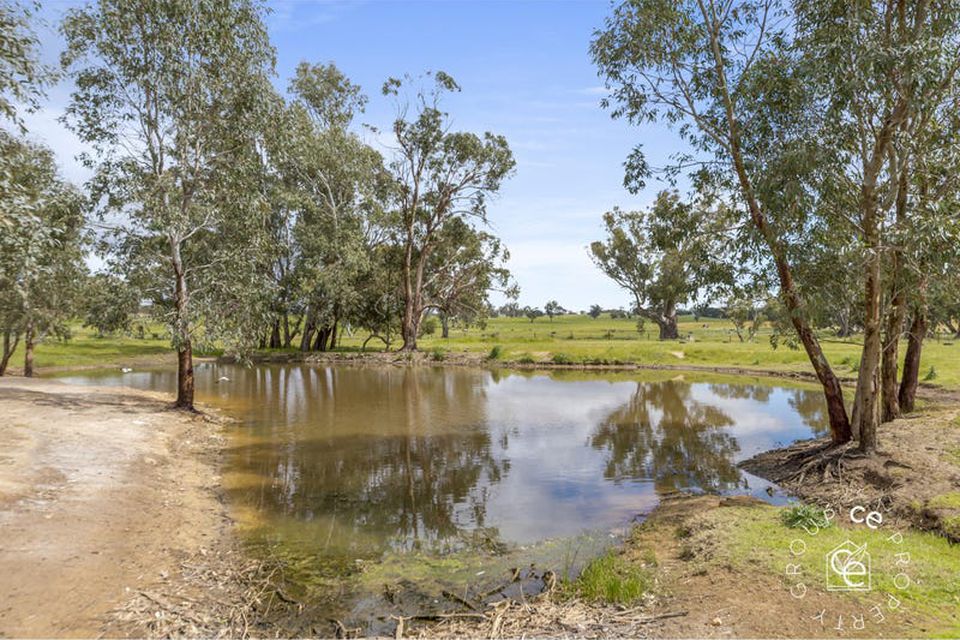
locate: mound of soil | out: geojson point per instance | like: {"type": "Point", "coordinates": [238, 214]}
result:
{"type": "Point", "coordinates": [915, 476]}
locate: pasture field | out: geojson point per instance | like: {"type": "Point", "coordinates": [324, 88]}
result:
{"type": "Point", "coordinates": [568, 339]}
{"type": "Point", "coordinates": [706, 342]}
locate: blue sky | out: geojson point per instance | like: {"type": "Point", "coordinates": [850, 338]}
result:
{"type": "Point", "coordinates": [525, 72]}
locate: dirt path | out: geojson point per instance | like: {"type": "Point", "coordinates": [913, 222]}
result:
{"type": "Point", "coordinates": [103, 492]}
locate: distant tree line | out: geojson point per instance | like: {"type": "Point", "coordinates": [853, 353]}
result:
{"type": "Point", "coordinates": [247, 217]}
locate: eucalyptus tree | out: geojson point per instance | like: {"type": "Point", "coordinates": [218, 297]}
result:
{"type": "Point", "coordinates": [552, 308]}
{"type": "Point", "coordinates": [109, 303]}
{"type": "Point", "coordinates": [884, 73]}
{"type": "Point", "coordinates": [41, 249]}
{"type": "Point", "coordinates": [664, 257]}
{"type": "Point", "coordinates": [694, 64]}
{"type": "Point", "coordinates": [925, 235]}
{"type": "Point", "coordinates": [22, 75]}
{"type": "Point", "coordinates": [440, 176]}
{"type": "Point", "coordinates": [466, 265]}
{"type": "Point", "coordinates": [336, 187]}
{"type": "Point", "coordinates": [747, 313]}
{"type": "Point", "coordinates": [169, 95]}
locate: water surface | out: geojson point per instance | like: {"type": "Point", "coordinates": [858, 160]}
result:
{"type": "Point", "coordinates": [366, 463]}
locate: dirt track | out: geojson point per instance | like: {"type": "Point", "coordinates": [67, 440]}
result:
{"type": "Point", "coordinates": [103, 492]}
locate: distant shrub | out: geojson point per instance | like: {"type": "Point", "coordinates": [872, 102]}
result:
{"type": "Point", "coordinates": [429, 326]}
{"type": "Point", "coordinates": [562, 358]}
{"type": "Point", "coordinates": [931, 374]}
{"type": "Point", "coordinates": [495, 352]}
{"type": "Point", "coordinates": [438, 354]}
{"type": "Point", "coordinates": [526, 359]}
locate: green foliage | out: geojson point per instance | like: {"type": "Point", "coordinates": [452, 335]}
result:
{"type": "Point", "coordinates": [495, 352]}
{"type": "Point", "coordinates": [109, 304]}
{"type": "Point", "coordinates": [664, 257]}
{"type": "Point", "coordinates": [552, 308]}
{"type": "Point", "coordinates": [561, 358]}
{"type": "Point", "coordinates": [443, 178]}
{"type": "Point", "coordinates": [41, 246]}
{"type": "Point", "coordinates": [614, 579]}
{"type": "Point", "coordinates": [22, 75]}
{"type": "Point", "coordinates": [931, 374]}
{"type": "Point", "coordinates": [429, 326]}
{"type": "Point", "coordinates": [804, 516]}
{"type": "Point", "coordinates": [438, 354]}
{"type": "Point", "coordinates": [172, 99]}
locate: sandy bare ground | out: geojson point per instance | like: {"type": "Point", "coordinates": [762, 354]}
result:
{"type": "Point", "coordinates": [103, 493]}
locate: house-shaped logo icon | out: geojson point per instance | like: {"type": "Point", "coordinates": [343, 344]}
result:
{"type": "Point", "coordinates": [848, 568]}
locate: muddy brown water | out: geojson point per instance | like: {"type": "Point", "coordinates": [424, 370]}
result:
{"type": "Point", "coordinates": [435, 477]}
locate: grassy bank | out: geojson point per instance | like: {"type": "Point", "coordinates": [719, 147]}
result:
{"type": "Point", "coordinates": [691, 549]}
{"type": "Point", "coordinates": [564, 340]}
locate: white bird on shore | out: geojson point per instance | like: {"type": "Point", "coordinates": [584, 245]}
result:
{"type": "Point", "coordinates": [125, 369]}
{"type": "Point", "coordinates": [223, 379]}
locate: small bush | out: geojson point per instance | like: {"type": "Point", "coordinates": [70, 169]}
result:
{"type": "Point", "coordinates": [495, 352]}
{"type": "Point", "coordinates": [438, 354]}
{"type": "Point", "coordinates": [613, 578]}
{"type": "Point", "coordinates": [526, 359]}
{"type": "Point", "coordinates": [931, 374]}
{"type": "Point", "coordinates": [429, 326]}
{"type": "Point", "coordinates": [562, 358]}
{"type": "Point", "coordinates": [805, 516]}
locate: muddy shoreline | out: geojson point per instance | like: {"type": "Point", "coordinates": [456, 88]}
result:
{"type": "Point", "coordinates": [927, 390]}
{"type": "Point", "coordinates": [103, 493]}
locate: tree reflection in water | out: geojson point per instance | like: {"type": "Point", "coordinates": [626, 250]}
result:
{"type": "Point", "coordinates": [665, 435]}
{"type": "Point", "coordinates": [419, 478]}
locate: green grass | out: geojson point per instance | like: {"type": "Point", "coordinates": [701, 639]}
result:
{"type": "Point", "coordinates": [946, 501]}
{"type": "Point", "coordinates": [756, 538]}
{"type": "Point", "coordinates": [570, 339]}
{"type": "Point", "coordinates": [706, 342]}
{"type": "Point", "coordinates": [613, 578]}
{"type": "Point", "coordinates": [85, 348]}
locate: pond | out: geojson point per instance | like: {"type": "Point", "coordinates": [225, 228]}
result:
{"type": "Point", "coordinates": [393, 470]}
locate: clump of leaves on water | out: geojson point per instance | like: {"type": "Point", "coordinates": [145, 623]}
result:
{"type": "Point", "coordinates": [804, 516]}
{"type": "Point", "coordinates": [613, 578]}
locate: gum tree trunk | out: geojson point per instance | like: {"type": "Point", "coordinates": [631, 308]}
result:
{"type": "Point", "coordinates": [833, 393]}
{"type": "Point", "coordinates": [185, 376]}
{"type": "Point", "coordinates": [28, 344]}
{"type": "Point", "coordinates": [911, 363]}
{"type": "Point", "coordinates": [9, 346]}
{"type": "Point", "coordinates": [184, 343]}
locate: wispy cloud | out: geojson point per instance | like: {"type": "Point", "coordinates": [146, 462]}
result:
{"type": "Point", "coordinates": [592, 91]}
